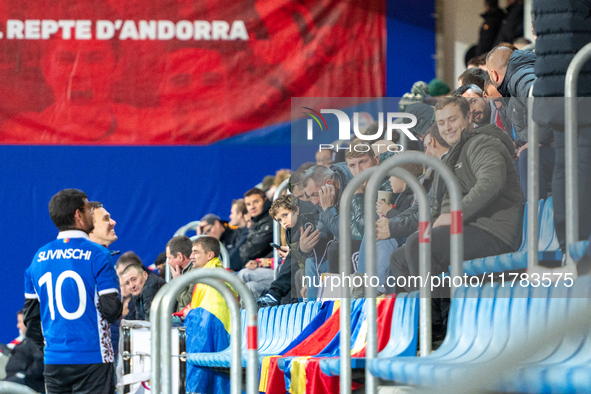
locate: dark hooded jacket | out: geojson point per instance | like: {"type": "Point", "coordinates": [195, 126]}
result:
{"type": "Point", "coordinates": [491, 196]}
{"type": "Point", "coordinates": [143, 301]}
{"type": "Point", "coordinates": [489, 30]}
{"type": "Point", "coordinates": [329, 219]}
{"type": "Point", "coordinates": [562, 28]}
{"type": "Point", "coordinates": [259, 238]}
{"type": "Point", "coordinates": [519, 78]}
{"type": "Point", "coordinates": [512, 25]}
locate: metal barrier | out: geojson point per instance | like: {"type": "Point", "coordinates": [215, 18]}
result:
{"type": "Point", "coordinates": [277, 227]}
{"type": "Point", "coordinates": [456, 239]}
{"type": "Point", "coordinates": [161, 324]}
{"type": "Point", "coordinates": [533, 184]}
{"type": "Point", "coordinates": [225, 257]}
{"type": "Point", "coordinates": [570, 147]}
{"type": "Point", "coordinates": [345, 266]}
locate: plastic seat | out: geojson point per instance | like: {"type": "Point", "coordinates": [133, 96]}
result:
{"type": "Point", "coordinates": [577, 249]}
{"type": "Point", "coordinates": [403, 335]}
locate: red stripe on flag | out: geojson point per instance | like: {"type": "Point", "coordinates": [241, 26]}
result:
{"type": "Point", "coordinates": [251, 338]}
{"type": "Point", "coordinates": [457, 224]}
{"type": "Point", "coordinates": [424, 232]}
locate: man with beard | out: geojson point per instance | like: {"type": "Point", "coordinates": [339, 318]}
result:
{"type": "Point", "coordinates": [482, 109]}
{"type": "Point", "coordinates": [71, 296]}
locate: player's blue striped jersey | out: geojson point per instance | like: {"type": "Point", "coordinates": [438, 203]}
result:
{"type": "Point", "coordinates": [67, 276]}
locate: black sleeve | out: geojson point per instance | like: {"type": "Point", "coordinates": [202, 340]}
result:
{"type": "Point", "coordinates": [110, 307]}
{"type": "Point", "coordinates": [32, 319]}
{"type": "Point", "coordinates": [282, 285]}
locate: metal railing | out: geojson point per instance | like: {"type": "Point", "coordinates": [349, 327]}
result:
{"type": "Point", "coordinates": [570, 147]}
{"type": "Point", "coordinates": [456, 240]}
{"type": "Point", "coordinates": [161, 324]}
{"type": "Point", "coordinates": [277, 226]}
{"type": "Point", "coordinates": [533, 183]}
{"type": "Point", "coordinates": [15, 388]}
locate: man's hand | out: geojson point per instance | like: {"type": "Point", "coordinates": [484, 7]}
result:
{"type": "Point", "coordinates": [382, 208]}
{"type": "Point", "coordinates": [307, 240]}
{"type": "Point", "coordinates": [186, 311]}
{"type": "Point", "coordinates": [443, 220]}
{"type": "Point", "coordinates": [251, 265]}
{"type": "Point", "coordinates": [523, 147]}
{"type": "Point", "coordinates": [283, 252]}
{"type": "Point", "coordinates": [382, 229]}
{"type": "Point", "coordinates": [175, 271]}
{"type": "Point", "coordinates": [327, 196]}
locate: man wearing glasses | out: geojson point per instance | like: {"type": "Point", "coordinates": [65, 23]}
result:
{"type": "Point", "coordinates": [71, 296]}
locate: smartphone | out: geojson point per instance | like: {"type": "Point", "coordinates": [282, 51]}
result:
{"type": "Point", "coordinates": [275, 245]}
{"type": "Point", "coordinates": [308, 222]}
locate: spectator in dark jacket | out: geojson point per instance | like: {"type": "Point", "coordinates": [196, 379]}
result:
{"type": "Point", "coordinates": [25, 366]}
{"type": "Point", "coordinates": [562, 29]}
{"type": "Point", "coordinates": [143, 288]}
{"type": "Point", "coordinates": [491, 203]}
{"type": "Point", "coordinates": [489, 30]}
{"type": "Point", "coordinates": [239, 218]}
{"type": "Point", "coordinates": [260, 234]}
{"type": "Point", "coordinates": [512, 72]}
{"type": "Point", "coordinates": [512, 25]}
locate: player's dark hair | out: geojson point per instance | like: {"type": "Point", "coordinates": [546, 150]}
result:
{"type": "Point", "coordinates": [63, 206]}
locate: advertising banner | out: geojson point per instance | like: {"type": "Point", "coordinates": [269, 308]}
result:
{"type": "Point", "coordinates": [168, 72]}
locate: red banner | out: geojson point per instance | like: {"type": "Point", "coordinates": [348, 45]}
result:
{"type": "Point", "coordinates": [177, 71]}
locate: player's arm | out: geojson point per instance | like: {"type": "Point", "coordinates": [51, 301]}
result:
{"type": "Point", "coordinates": [110, 305]}
{"type": "Point", "coordinates": [32, 313]}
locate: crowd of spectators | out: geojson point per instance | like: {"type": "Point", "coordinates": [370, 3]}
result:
{"type": "Point", "coordinates": [479, 131]}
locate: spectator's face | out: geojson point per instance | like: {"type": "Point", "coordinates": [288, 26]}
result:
{"type": "Point", "coordinates": [493, 94]}
{"type": "Point", "coordinates": [254, 204]}
{"type": "Point", "coordinates": [478, 107]}
{"type": "Point", "coordinates": [398, 185]}
{"type": "Point", "coordinates": [20, 324]}
{"type": "Point", "coordinates": [284, 218]}
{"type": "Point", "coordinates": [428, 142]}
{"type": "Point", "coordinates": [324, 158]}
{"type": "Point", "coordinates": [104, 227]}
{"type": "Point", "coordinates": [198, 256]}
{"type": "Point", "coordinates": [135, 280]}
{"type": "Point", "coordinates": [176, 261]}
{"type": "Point", "coordinates": [360, 164]}
{"type": "Point", "coordinates": [312, 190]}
{"type": "Point", "coordinates": [236, 217]}
{"type": "Point", "coordinates": [215, 230]}
{"type": "Point", "coordinates": [299, 192]}
{"type": "Point", "coordinates": [451, 122]}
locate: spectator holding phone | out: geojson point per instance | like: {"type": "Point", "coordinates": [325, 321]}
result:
{"type": "Point", "coordinates": [301, 236]}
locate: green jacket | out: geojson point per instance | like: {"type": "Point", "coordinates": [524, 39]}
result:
{"type": "Point", "coordinates": [491, 196]}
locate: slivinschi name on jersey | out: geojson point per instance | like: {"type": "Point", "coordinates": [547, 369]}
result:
{"type": "Point", "coordinates": [77, 254]}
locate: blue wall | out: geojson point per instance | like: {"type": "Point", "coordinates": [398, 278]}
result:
{"type": "Point", "coordinates": [410, 44]}
{"type": "Point", "coordinates": [149, 191]}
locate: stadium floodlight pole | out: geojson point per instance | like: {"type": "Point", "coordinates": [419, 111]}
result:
{"type": "Point", "coordinates": [225, 257]}
{"type": "Point", "coordinates": [456, 238]}
{"type": "Point", "coordinates": [533, 183]}
{"type": "Point", "coordinates": [570, 147]}
{"type": "Point", "coordinates": [162, 329]}
{"type": "Point", "coordinates": [345, 377]}
{"type": "Point", "coordinates": [277, 227]}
